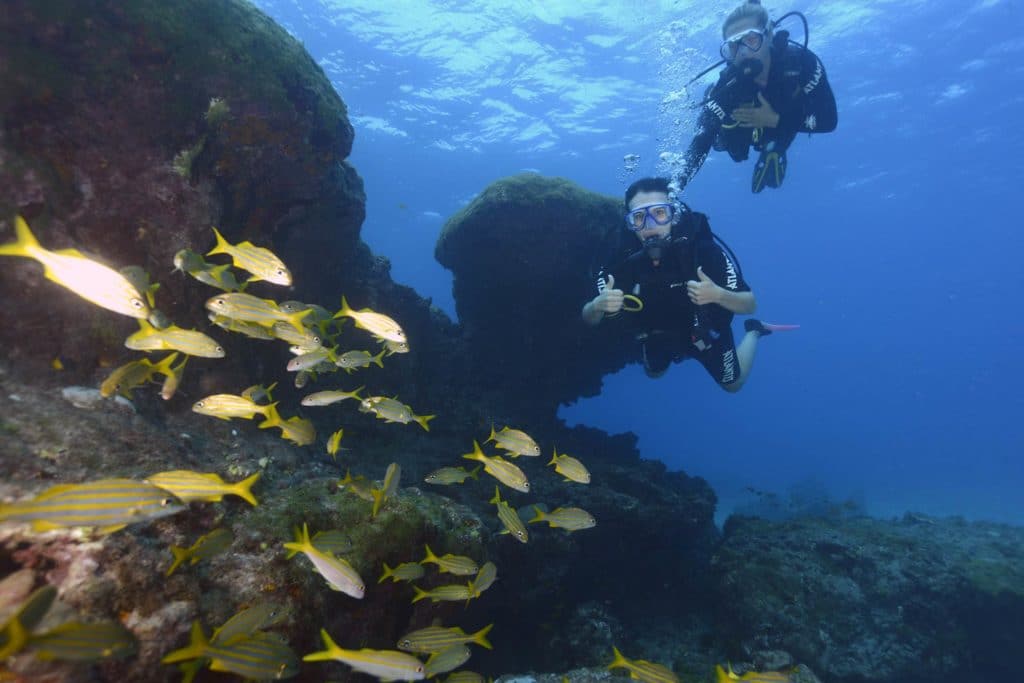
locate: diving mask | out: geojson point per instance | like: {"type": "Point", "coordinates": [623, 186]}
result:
{"type": "Point", "coordinates": [660, 214]}
{"type": "Point", "coordinates": [751, 38]}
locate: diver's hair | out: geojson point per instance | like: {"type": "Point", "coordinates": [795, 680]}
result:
{"type": "Point", "coordinates": [751, 8]}
{"type": "Point", "coordinates": [646, 185]}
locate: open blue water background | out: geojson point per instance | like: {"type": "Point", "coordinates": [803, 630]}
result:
{"type": "Point", "coordinates": [895, 242]}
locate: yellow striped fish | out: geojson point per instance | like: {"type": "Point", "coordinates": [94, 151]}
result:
{"type": "Point", "coordinates": [258, 656]}
{"type": "Point", "coordinates": [436, 638]}
{"type": "Point", "coordinates": [110, 504]}
{"type": "Point", "coordinates": [723, 676]}
{"type": "Point", "coordinates": [387, 665]}
{"type": "Point", "coordinates": [251, 330]}
{"type": "Point", "coordinates": [377, 324]}
{"type": "Point", "coordinates": [460, 565]}
{"type": "Point", "coordinates": [261, 262]}
{"type": "Point", "coordinates": [339, 574]}
{"type": "Point", "coordinates": [407, 571]}
{"type": "Point", "coordinates": [76, 641]}
{"type": "Point", "coordinates": [515, 441]}
{"type": "Point", "coordinates": [172, 378]}
{"type": "Point", "coordinates": [452, 657]}
{"type": "Point", "coordinates": [213, 543]}
{"type": "Point", "coordinates": [298, 430]}
{"type": "Point", "coordinates": [455, 592]}
{"type": "Point", "coordinates": [570, 519]}
{"type": "Point", "coordinates": [227, 406]}
{"type": "Point", "coordinates": [247, 622]}
{"type": "Point", "coordinates": [570, 468]}
{"type": "Point", "coordinates": [133, 375]}
{"type": "Point", "coordinates": [507, 473]}
{"type": "Point", "coordinates": [173, 338]}
{"type": "Point", "coordinates": [252, 309]}
{"type": "Point", "coordinates": [189, 486]}
{"type": "Point", "coordinates": [14, 633]}
{"type": "Point", "coordinates": [510, 519]}
{"type": "Point", "coordinates": [642, 670]}
{"type": "Point", "coordinates": [487, 575]}
{"type": "Point", "coordinates": [91, 280]}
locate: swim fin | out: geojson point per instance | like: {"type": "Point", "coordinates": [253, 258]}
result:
{"type": "Point", "coordinates": [769, 171]}
{"type": "Point", "coordinates": [764, 329]}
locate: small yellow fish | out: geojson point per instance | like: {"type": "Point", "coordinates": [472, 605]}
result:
{"type": "Point", "coordinates": [485, 578]}
{"type": "Point", "coordinates": [390, 410]}
{"type": "Point", "coordinates": [377, 324]}
{"type": "Point", "coordinates": [386, 665]}
{"type": "Point", "coordinates": [334, 443]}
{"type": "Point", "coordinates": [451, 657]}
{"type": "Point", "coordinates": [510, 519]}
{"type": "Point", "coordinates": [76, 641]}
{"type": "Point", "coordinates": [358, 485]}
{"type": "Point", "coordinates": [133, 375]}
{"type": "Point", "coordinates": [642, 670]}
{"type": "Point", "coordinates": [352, 360]}
{"type": "Point", "coordinates": [570, 468]}
{"type": "Point", "coordinates": [515, 441]}
{"type": "Point", "coordinates": [258, 393]}
{"type": "Point", "coordinates": [452, 475]}
{"type": "Point", "coordinates": [227, 406]}
{"type": "Point", "coordinates": [724, 676]}
{"type": "Point", "coordinates": [326, 398]}
{"type": "Point", "coordinates": [261, 262]}
{"type": "Point", "coordinates": [172, 379]}
{"type": "Point", "coordinates": [436, 638]}
{"type": "Point", "coordinates": [570, 519]}
{"type": "Point", "coordinates": [407, 571]}
{"type": "Point", "coordinates": [208, 487]}
{"type": "Point", "coordinates": [450, 593]}
{"type": "Point", "coordinates": [501, 469]}
{"type": "Point", "coordinates": [252, 309]}
{"type": "Point", "coordinates": [91, 280]}
{"type": "Point", "coordinates": [389, 489]}
{"type": "Point", "coordinates": [173, 338]}
{"type": "Point", "coordinates": [339, 574]}
{"type": "Point", "coordinates": [213, 543]}
{"type": "Point", "coordinates": [298, 430]}
{"type": "Point", "coordinates": [460, 565]}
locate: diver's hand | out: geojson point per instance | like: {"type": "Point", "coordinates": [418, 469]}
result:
{"type": "Point", "coordinates": [609, 301]}
{"type": "Point", "coordinates": [761, 116]}
{"type": "Point", "coordinates": [705, 291]}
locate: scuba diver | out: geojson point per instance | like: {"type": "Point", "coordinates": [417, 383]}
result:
{"type": "Point", "coordinates": [771, 89]}
{"type": "Point", "coordinates": [684, 286]}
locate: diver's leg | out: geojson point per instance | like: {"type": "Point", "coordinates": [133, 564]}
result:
{"type": "Point", "coordinates": [745, 357]}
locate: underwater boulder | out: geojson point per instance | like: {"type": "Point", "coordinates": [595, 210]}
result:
{"type": "Point", "coordinates": [523, 255]}
{"type": "Point", "coordinates": [917, 598]}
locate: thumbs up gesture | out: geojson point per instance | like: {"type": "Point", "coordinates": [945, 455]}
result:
{"type": "Point", "coordinates": [609, 301]}
{"type": "Point", "coordinates": [703, 291]}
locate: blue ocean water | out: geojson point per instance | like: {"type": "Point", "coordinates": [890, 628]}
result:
{"type": "Point", "coordinates": [894, 241]}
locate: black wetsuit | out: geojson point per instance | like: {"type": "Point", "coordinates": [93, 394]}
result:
{"type": "Point", "coordinates": [670, 327]}
{"type": "Point", "coordinates": [798, 91]}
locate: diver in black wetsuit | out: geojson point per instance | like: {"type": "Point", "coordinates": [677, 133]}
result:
{"type": "Point", "coordinates": [679, 291]}
{"type": "Point", "coordinates": [770, 90]}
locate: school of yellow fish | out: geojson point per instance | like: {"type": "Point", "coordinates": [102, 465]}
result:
{"type": "Point", "coordinates": [241, 645]}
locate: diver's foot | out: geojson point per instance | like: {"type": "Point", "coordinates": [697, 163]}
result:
{"type": "Point", "coordinates": [769, 171]}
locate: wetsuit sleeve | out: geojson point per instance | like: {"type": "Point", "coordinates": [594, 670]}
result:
{"type": "Point", "coordinates": [813, 110]}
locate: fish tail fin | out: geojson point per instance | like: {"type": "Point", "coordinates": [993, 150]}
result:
{"type": "Point", "coordinates": [431, 557]}
{"type": "Point", "coordinates": [480, 637]}
{"type": "Point", "coordinates": [164, 367]}
{"type": "Point", "coordinates": [25, 243]}
{"type": "Point", "coordinates": [539, 515]}
{"type": "Point", "coordinates": [271, 417]}
{"type": "Point", "coordinates": [302, 542]}
{"type": "Point", "coordinates": [475, 472]}
{"type": "Point", "coordinates": [477, 454]}
{"type": "Point", "coordinates": [355, 392]}
{"type": "Point", "coordinates": [493, 434]}
{"type": "Point", "coordinates": [619, 660]}
{"type": "Point", "coordinates": [296, 319]}
{"type": "Point", "coordinates": [423, 420]}
{"type": "Point", "coordinates": [554, 457]}
{"type": "Point", "coordinates": [292, 552]}
{"type": "Point", "coordinates": [222, 246]}
{"type": "Point", "coordinates": [180, 555]}
{"type": "Point", "coordinates": [243, 489]}
{"type": "Point", "coordinates": [420, 594]}
{"type": "Point", "coordinates": [17, 638]}
{"type": "Point", "coordinates": [268, 390]}
{"type": "Point", "coordinates": [325, 655]}
{"type": "Point", "coordinates": [378, 359]}
{"type": "Point", "coordinates": [344, 310]}
{"type": "Point", "coordinates": [388, 572]}
{"type": "Point", "coordinates": [496, 500]}
{"type": "Point", "coordinates": [195, 649]}
{"type": "Point", "coordinates": [378, 500]}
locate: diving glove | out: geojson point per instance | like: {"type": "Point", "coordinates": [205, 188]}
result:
{"type": "Point", "coordinates": [770, 169]}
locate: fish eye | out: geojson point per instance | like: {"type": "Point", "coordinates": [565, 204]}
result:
{"type": "Point", "coordinates": [200, 404]}
{"type": "Point", "coordinates": [137, 304]}
{"type": "Point", "coordinates": [526, 485]}
{"type": "Point", "coordinates": [419, 669]}
{"type": "Point", "coordinates": [219, 349]}
{"type": "Point", "coordinates": [406, 642]}
{"type": "Point", "coordinates": [165, 502]}
{"type": "Point", "coordinates": [220, 301]}
{"type": "Point", "coordinates": [280, 271]}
